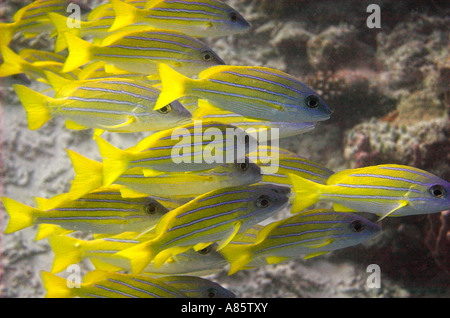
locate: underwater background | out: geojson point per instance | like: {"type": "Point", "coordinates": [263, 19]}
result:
{"type": "Point", "coordinates": [389, 88]}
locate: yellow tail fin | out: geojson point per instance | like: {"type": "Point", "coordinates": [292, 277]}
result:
{"type": "Point", "coordinates": [79, 52]}
{"type": "Point", "coordinates": [115, 161]}
{"type": "Point", "coordinates": [173, 85]}
{"type": "Point", "coordinates": [88, 175]}
{"type": "Point", "coordinates": [45, 230]}
{"type": "Point", "coordinates": [12, 62]}
{"type": "Point", "coordinates": [237, 256]}
{"type": "Point", "coordinates": [20, 215]}
{"type": "Point", "coordinates": [306, 192]}
{"type": "Point", "coordinates": [35, 104]}
{"type": "Point", "coordinates": [58, 83]}
{"type": "Point", "coordinates": [56, 286]}
{"type": "Point", "coordinates": [60, 23]}
{"type": "Point", "coordinates": [125, 15]}
{"type": "Point", "coordinates": [67, 250]}
{"type": "Point", "coordinates": [7, 31]}
{"type": "Point", "coordinates": [140, 256]}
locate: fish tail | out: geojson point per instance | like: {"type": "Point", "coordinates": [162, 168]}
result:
{"type": "Point", "coordinates": [79, 52]}
{"type": "Point", "coordinates": [115, 161]}
{"type": "Point", "coordinates": [56, 81]}
{"type": "Point", "coordinates": [140, 256]}
{"type": "Point", "coordinates": [237, 256]}
{"type": "Point", "coordinates": [45, 230]}
{"type": "Point", "coordinates": [306, 192]}
{"type": "Point", "coordinates": [35, 104]}
{"type": "Point", "coordinates": [67, 250]}
{"type": "Point", "coordinates": [7, 31]}
{"type": "Point", "coordinates": [125, 15]}
{"type": "Point", "coordinates": [60, 23]}
{"type": "Point", "coordinates": [56, 286]}
{"type": "Point", "coordinates": [88, 175]}
{"type": "Point", "coordinates": [173, 85]}
{"type": "Point", "coordinates": [12, 62]}
{"type": "Point", "coordinates": [20, 215]}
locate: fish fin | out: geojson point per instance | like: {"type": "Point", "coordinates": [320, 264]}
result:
{"type": "Point", "coordinates": [79, 52]}
{"type": "Point", "coordinates": [224, 242]}
{"type": "Point", "coordinates": [125, 15]}
{"type": "Point", "coordinates": [70, 124]}
{"type": "Point", "coordinates": [306, 192]}
{"type": "Point", "coordinates": [97, 133]}
{"type": "Point", "coordinates": [237, 256]}
{"type": "Point", "coordinates": [130, 120]}
{"type": "Point", "coordinates": [111, 69]}
{"type": "Point", "coordinates": [130, 193]}
{"type": "Point", "coordinates": [342, 208]}
{"type": "Point", "coordinates": [95, 276]}
{"type": "Point", "coordinates": [20, 215]}
{"type": "Point", "coordinates": [45, 230]}
{"type": "Point", "coordinates": [56, 286]}
{"type": "Point", "coordinates": [7, 31]}
{"type": "Point", "coordinates": [115, 161]}
{"type": "Point", "coordinates": [57, 82]}
{"type": "Point", "coordinates": [276, 259]}
{"type": "Point", "coordinates": [60, 23]}
{"type": "Point", "coordinates": [401, 205]}
{"type": "Point", "coordinates": [139, 256]}
{"type": "Point", "coordinates": [35, 104]}
{"type": "Point", "coordinates": [164, 255]}
{"type": "Point", "coordinates": [315, 254]}
{"type": "Point", "coordinates": [12, 62]}
{"type": "Point", "coordinates": [104, 266]}
{"type": "Point", "coordinates": [67, 250]}
{"type": "Point", "coordinates": [40, 202]}
{"type": "Point", "coordinates": [147, 172]}
{"type": "Point", "coordinates": [173, 85]}
{"type": "Point", "coordinates": [88, 175]}
{"type": "Point", "coordinates": [151, 3]}
{"type": "Point", "coordinates": [321, 243]}
{"type": "Point", "coordinates": [90, 69]}
{"type": "Point", "coordinates": [200, 246]}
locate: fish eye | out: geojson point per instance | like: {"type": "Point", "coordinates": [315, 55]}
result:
{"type": "Point", "coordinates": [166, 109]}
{"type": "Point", "coordinates": [205, 250]}
{"type": "Point", "coordinates": [212, 293]}
{"type": "Point", "coordinates": [233, 17]}
{"type": "Point", "coordinates": [437, 191]}
{"type": "Point", "coordinates": [357, 226]}
{"type": "Point", "coordinates": [263, 201]}
{"type": "Point", "coordinates": [312, 101]}
{"type": "Point", "coordinates": [150, 208]}
{"type": "Point", "coordinates": [207, 56]}
{"type": "Point", "coordinates": [244, 166]}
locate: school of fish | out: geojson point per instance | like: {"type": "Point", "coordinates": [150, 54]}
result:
{"type": "Point", "coordinates": [188, 200]}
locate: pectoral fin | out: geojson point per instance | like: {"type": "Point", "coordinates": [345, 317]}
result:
{"type": "Point", "coordinates": [401, 205]}
{"type": "Point", "coordinates": [130, 120]}
{"type": "Point", "coordinates": [315, 254]}
{"type": "Point", "coordinates": [227, 239]}
{"type": "Point", "coordinates": [275, 259]}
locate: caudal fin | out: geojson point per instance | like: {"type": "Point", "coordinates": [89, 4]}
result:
{"type": "Point", "coordinates": [88, 175]}
{"type": "Point", "coordinates": [79, 52]}
{"type": "Point", "coordinates": [173, 85]}
{"type": "Point", "coordinates": [60, 23]}
{"type": "Point", "coordinates": [56, 286]}
{"type": "Point", "coordinates": [20, 215]}
{"type": "Point", "coordinates": [125, 15]}
{"type": "Point", "coordinates": [140, 256]}
{"type": "Point", "coordinates": [67, 250]}
{"type": "Point", "coordinates": [7, 31]}
{"type": "Point", "coordinates": [237, 255]}
{"type": "Point", "coordinates": [35, 104]}
{"type": "Point", "coordinates": [12, 62]}
{"type": "Point", "coordinates": [115, 161]}
{"type": "Point", "coordinates": [306, 192]}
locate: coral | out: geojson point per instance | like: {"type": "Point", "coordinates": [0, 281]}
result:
{"type": "Point", "coordinates": [423, 144]}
